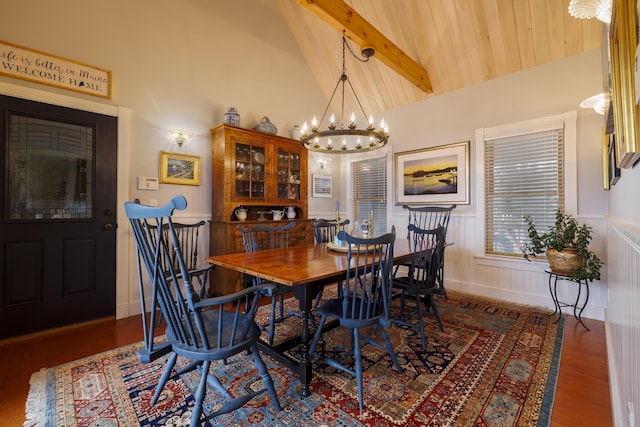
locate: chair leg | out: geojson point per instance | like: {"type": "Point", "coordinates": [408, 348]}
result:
{"type": "Point", "coordinates": [164, 378]}
{"type": "Point", "coordinates": [266, 378]}
{"type": "Point", "coordinates": [316, 336]}
{"type": "Point", "coordinates": [421, 323]}
{"type": "Point", "coordinates": [200, 393]}
{"type": "Point", "coordinates": [272, 320]}
{"type": "Point", "coordinates": [390, 350]}
{"type": "Point", "coordinates": [357, 355]}
{"type": "Point", "coordinates": [434, 309]}
{"type": "Point", "coordinates": [318, 298]}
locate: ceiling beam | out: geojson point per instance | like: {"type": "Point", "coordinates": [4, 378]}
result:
{"type": "Point", "coordinates": [341, 16]}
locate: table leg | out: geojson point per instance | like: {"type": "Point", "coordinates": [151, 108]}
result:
{"type": "Point", "coordinates": [305, 296]}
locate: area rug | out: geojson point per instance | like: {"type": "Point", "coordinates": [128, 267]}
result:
{"type": "Point", "coordinates": [496, 364]}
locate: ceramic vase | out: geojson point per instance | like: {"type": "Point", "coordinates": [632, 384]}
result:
{"type": "Point", "coordinates": [266, 126]}
{"type": "Point", "coordinates": [231, 117]}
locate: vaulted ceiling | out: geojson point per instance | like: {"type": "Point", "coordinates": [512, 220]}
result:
{"type": "Point", "coordinates": [458, 43]}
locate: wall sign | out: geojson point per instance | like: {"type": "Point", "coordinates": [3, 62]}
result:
{"type": "Point", "coordinates": [28, 64]}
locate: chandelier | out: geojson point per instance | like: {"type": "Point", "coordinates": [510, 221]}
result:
{"type": "Point", "coordinates": [340, 137]}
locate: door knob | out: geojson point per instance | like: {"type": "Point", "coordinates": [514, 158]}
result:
{"type": "Point", "coordinates": [108, 226]}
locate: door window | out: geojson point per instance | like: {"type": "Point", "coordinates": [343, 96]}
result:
{"type": "Point", "coordinates": [49, 170]}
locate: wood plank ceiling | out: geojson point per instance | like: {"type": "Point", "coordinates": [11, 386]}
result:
{"type": "Point", "coordinates": [458, 42]}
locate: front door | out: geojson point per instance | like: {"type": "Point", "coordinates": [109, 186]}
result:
{"type": "Point", "coordinates": [58, 216]}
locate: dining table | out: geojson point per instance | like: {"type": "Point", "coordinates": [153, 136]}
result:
{"type": "Point", "coordinates": [305, 269]}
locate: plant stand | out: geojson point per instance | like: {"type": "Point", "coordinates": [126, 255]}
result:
{"type": "Point", "coordinates": [577, 308]}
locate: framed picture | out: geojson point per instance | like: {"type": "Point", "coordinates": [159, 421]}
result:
{"type": "Point", "coordinates": [435, 175]}
{"type": "Point", "coordinates": [179, 169]}
{"type": "Point", "coordinates": [613, 171]}
{"type": "Point", "coordinates": [624, 70]}
{"type": "Point", "coordinates": [322, 186]}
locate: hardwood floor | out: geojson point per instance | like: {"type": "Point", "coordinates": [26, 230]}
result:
{"type": "Point", "coordinates": [582, 393]}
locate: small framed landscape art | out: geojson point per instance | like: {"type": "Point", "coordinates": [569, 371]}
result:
{"type": "Point", "coordinates": [610, 168]}
{"type": "Point", "coordinates": [179, 169]}
{"type": "Point", "coordinates": [322, 186]}
{"type": "Point", "coordinates": [434, 175]}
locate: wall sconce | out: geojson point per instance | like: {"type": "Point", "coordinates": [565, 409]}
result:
{"type": "Point", "coordinates": [587, 9]}
{"type": "Point", "coordinates": [597, 102]}
{"type": "Point", "coordinates": [179, 136]}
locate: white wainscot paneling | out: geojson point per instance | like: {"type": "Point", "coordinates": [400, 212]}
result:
{"type": "Point", "coordinates": [623, 319]}
{"type": "Point", "coordinates": [515, 280]}
{"type": "Point", "coordinates": [133, 306]}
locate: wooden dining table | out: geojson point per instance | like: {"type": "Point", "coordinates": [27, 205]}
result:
{"type": "Point", "coordinates": [305, 269]}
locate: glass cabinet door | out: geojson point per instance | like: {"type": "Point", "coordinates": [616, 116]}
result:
{"type": "Point", "coordinates": [250, 171]}
{"type": "Point", "coordinates": [288, 175]}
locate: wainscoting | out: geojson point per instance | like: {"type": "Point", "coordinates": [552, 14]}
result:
{"type": "Point", "coordinates": [467, 269]}
{"type": "Point", "coordinates": [622, 319]}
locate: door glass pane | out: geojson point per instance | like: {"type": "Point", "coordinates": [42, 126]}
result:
{"type": "Point", "coordinates": [49, 169]}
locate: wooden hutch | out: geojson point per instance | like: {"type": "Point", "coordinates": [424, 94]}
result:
{"type": "Point", "coordinates": [258, 172]}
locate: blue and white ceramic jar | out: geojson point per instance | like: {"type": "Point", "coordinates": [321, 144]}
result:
{"type": "Point", "coordinates": [231, 117]}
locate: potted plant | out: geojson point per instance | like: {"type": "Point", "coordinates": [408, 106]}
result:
{"type": "Point", "coordinates": [566, 245]}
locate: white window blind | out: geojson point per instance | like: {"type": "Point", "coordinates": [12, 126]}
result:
{"type": "Point", "coordinates": [524, 175]}
{"type": "Point", "coordinates": [369, 185]}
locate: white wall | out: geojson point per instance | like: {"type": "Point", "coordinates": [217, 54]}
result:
{"type": "Point", "coordinates": [175, 64]}
{"type": "Point", "coordinates": [547, 90]}
{"type": "Point", "coordinates": [181, 64]}
{"type": "Point", "coordinates": [623, 320]}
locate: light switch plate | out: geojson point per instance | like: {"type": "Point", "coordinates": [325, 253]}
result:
{"type": "Point", "coordinates": [148, 183]}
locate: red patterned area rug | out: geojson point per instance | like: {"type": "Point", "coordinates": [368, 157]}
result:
{"type": "Point", "coordinates": [495, 365]}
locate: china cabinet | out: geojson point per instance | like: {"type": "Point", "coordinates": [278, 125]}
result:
{"type": "Point", "coordinates": [254, 174]}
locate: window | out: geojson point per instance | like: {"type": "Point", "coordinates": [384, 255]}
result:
{"type": "Point", "coordinates": [524, 175]}
{"type": "Point", "coordinates": [369, 188]}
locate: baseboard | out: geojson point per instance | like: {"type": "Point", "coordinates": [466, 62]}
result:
{"type": "Point", "coordinates": [590, 312]}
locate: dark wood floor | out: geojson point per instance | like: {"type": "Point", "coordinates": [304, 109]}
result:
{"type": "Point", "coordinates": [582, 394]}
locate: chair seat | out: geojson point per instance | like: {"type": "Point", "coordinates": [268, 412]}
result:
{"type": "Point", "coordinates": [333, 308]}
{"type": "Point", "coordinates": [210, 320]}
{"type": "Point", "coordinates": [405, 283]}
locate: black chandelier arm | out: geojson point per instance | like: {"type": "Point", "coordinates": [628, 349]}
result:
{"type": "Point", "coordinates": [324, 113]}
{"type": "Point", "coordinates": [355, 95]}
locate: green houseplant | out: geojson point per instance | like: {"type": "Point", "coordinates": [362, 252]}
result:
{"type": "Point", "coordinates": [564, 238]}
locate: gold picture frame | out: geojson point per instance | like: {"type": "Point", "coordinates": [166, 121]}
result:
{"type": "Point", "coordinates": [180, 169]}
{"type": "Point", "coordinates": [622, 48]}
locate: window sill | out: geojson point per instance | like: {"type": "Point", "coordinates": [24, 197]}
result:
{"type": "Point", "coordinates": [537, 265]}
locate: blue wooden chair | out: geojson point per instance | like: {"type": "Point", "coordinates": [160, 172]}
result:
{"type": "Point", "coordinates": [421, 281]}
{"type": "Point", "coordinates": [364, 301]}
{"type": "Point", "coordinates": [262, 237]}
{"type": "Point", "coordinates": [429, 218]}
{"type": "Point", "coordinates": [188, 236]}
{"type": "Point", "coordinates": [324, 231]}
{"type": "Point", "coordinates": [200, 329]}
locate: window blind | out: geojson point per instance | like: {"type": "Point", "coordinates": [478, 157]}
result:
{"type": "Point", "coordinates": [524, 175]}
{"type": "Point", "coordinates": [369, 186]}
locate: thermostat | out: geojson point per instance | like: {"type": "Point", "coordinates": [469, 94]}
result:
{"type": "Point", "coordinates": [148, 183]}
